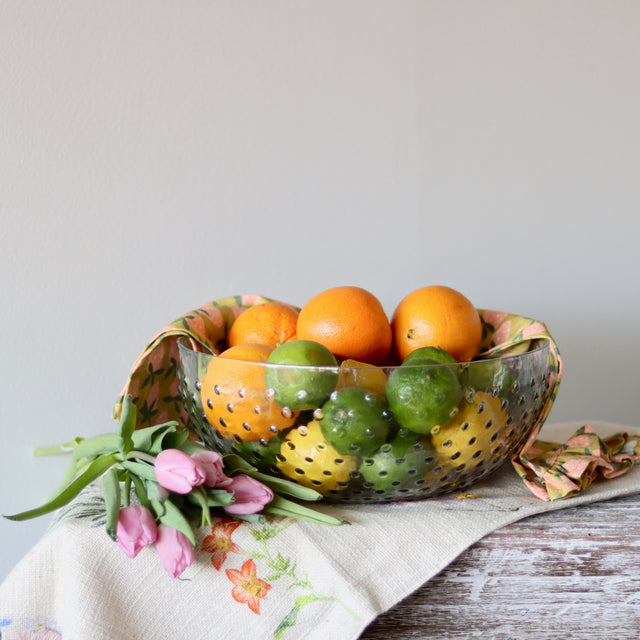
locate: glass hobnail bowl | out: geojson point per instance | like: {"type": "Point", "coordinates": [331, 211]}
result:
{"type": "Point", "coordinates": [349, 445]}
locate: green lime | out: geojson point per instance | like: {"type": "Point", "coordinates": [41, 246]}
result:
{"type": "Point", "coordinates": [306, 375]}
{"type": "Point", "coordinates": [397, 465]}
{"type": "Point", "coordinates": [355, 421]}
{"type": "Point", "coordinates": [489, 375]}
{"type": "Point", "coordinates": [435, 353]}
{"type": "Point", "coordinates": [422, 393]}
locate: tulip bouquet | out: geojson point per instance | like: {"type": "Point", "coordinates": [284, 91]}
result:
{"type": "Point", "coordinates": [159, 486]}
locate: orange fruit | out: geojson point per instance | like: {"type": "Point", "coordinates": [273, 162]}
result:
{"type": "Point", "coordinates": [437, 316]}
{"type": "Point", "coordinates": [270, 323]}
{"type": "Point", "coordinates": [349, 321]}
{"type": "Point", "coordinates": [235, 399]}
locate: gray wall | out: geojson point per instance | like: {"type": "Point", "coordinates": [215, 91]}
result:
{"type": "Point", "coordinates": [155, 156]}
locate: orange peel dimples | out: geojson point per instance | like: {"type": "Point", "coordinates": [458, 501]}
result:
{"type": "Point", "coordinates": [235, 399]}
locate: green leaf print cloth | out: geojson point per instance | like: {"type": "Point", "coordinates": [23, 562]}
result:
{"type": "Point", "coordinates": [551, 470]}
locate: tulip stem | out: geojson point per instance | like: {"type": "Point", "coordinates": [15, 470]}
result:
{"type": "Point", "coordinates": [56, 449]}
{"type": "Point", "coordinates": [127, 490]}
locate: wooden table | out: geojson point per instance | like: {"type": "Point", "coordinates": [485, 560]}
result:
{"type": "Point", "coordinates": [572, 574]}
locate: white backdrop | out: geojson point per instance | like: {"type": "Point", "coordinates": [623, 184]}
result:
{"type": "Point", "coordinates": [158, 155]}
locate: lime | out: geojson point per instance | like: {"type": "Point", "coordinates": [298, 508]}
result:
{"type": "Point", "coordinates": [489, 375]}
{"type": "Point", "coordinates": [422, 393]}
{"type": "Point", "coordinates": [355, 421]}
{"type": "Point", "coordinates": [306, 374]}
{"type": "Point", "coordinates": [397, 466]}
{"type": "Point", "coordinates": [435, 353]}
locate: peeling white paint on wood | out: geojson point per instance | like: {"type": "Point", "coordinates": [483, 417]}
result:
{"type": "Point", "coordinates": [571, 574]}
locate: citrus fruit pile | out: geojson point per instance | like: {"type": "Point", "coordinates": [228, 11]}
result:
{"type": "Point", "coordinates": [336, 393]}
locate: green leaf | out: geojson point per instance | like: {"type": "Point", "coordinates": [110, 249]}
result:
{"type": "Point", "coordinates": [144, 439]}
{"type": "Point", "coordinates": [97, 446]}
{"type": "Point", "coordinates": [252, 517]}
{"type": "Point", "coordinates": [141, 469]}
{"type": "Point", "coordinates": [291, 618]}
{"type": "Point", "coordinates": [287, 622]}
{"type": "Point", "coordinates": [283, 507]}
{"type": "Point", "coordinates": [139, 487]}
{"type": "Point", "coordinates": [174, 439]}
{"type": "Point", "coordinates": [233, 463]}
{"type": "Point", "coordinates": [172, 517]}
{"type": "Point", "coordinates": [219, 498]}
{"type": "Point", "coordinates": [111, 492]}
{"type": "Point", "coordinates": [199, 497]}
{"type": "Point", "coordinates": [66, 495]}
{"type": "Point", "coordinates": [158, 439]}
{"type": "Point", "coordinates": [156, 497]}
{"type": "Point", "coordinates": [127, 424]}
{"type": "Point", "coordinates": [280, 485]}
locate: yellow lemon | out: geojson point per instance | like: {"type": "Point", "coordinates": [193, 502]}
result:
{"type": "Point", "coordinates": [307, 458]}
{"type": "Point", "coordinates": [470, 438]}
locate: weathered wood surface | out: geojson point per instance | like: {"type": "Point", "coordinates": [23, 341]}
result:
{"type": "Point", "coordinates": [572, 574]}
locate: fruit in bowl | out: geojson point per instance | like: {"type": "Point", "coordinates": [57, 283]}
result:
{"type": "Point", "coordinates": [396, 426]}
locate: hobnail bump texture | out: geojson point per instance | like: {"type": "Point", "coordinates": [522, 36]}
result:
{"type": "Point", "coordinates": [502, 401]}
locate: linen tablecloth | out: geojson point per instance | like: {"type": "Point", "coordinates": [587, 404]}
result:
{"type": "Point", "coordinates": [281, 578]}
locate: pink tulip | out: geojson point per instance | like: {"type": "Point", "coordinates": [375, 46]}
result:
{"type": "Point", "coordinates": [177, 471]}
{"type": "Point", "coordinates": [211, 462]}
{"type": "Point", "coordinates": [136, 529]}
{"type": "Point", "coordinates": [175, 550]}
{"type": "Point", "coordinates": [250, 495]}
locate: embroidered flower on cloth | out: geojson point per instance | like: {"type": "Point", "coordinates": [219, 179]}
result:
{"type": "Point", "coordinates": [248, 588]}
{"type": "Point", "coordinates": [219, 542]}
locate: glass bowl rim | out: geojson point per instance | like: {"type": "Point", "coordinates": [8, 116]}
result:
{"type": "Point", "coordinates": [545, 344]}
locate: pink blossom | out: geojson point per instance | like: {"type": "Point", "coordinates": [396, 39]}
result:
{"type": "Point", "coordinates": [175, 550]}
{"type": "Point", "coordinates": [177, 471]}
{"type": "Point", "coordinates": [136, 529]}
{"type": "Point", "coordinates": [250, 495]}
{"type": "Point", "coordinates": [211, 462]}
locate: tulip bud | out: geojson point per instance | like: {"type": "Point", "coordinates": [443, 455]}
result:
{"type": "Point", "coordinates": [250, 495]}
{"type": "Point", "coordinates": [136, 529]}
{"type": "Point", "coordinates": [175, 550]}
{"type": "Point", "coordinates": [177, 471]}
{"type": "Point", "coordinates": [211, 462]}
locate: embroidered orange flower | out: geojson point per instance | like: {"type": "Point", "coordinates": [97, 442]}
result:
{"type": "Point", "coordinates": [219, 543]}
{"type": "Point", "coordinates": [248, 588]}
